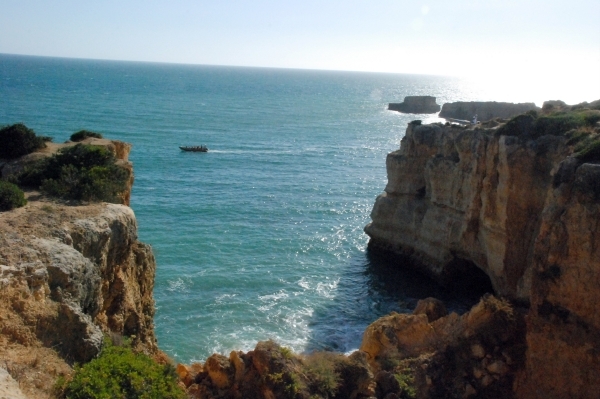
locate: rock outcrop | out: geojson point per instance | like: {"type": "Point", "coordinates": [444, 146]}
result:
{"type": "Point", "coordinates": [474, 355]}
{"type": "Point", "coordinates": [485, 110]}
{"type": "Point", "coordinates": [70, 275]}
{"type": "Point", "coordinates": [271, 371]}
{"type": "Point", "coordinates": [520, 202]}
{"type": "Point", "coordinates": [416, 105]}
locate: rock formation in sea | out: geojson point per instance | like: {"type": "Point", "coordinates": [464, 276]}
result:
{"type": "Point", "coordinates": [520, 201]}
{"type": "Point", "coordinates": [485, 110]}
{"type": "Point", "coordinates": [70, 274]}
{"type": "Point", "coordinates": [416, 105]}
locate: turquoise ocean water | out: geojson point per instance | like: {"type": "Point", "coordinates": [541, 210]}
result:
{"type": "Point", "coordinates": [262, 236]}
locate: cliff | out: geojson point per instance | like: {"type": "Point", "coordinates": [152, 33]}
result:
{"type": "Point", "coordinates": [70, 274]}
{"type": "Point", "coordinates": [519, 202]}
{"type": "Point", "coordinates": [416, 105]}
{"type": "Point", "coordinates": [485, 110]}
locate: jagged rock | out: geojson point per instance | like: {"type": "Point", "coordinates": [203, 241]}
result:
{"type": "Point", "coordinates": [416, 105]}
{"type": "Point", "coordinates": [431, 307]}
{"type": "Point", "coordinates": [485, 110]}
{"type": "Point", "coordinates": [441, 352]}
{"type": "Point", "coordinates": [220, 371]}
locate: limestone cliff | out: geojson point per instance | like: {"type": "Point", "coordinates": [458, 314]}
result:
{"type": "Point", "coordinates": [521, 202]}
{"type": "Point", "coordinates": [70, 274]}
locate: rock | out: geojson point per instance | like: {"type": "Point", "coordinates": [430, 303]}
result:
{"type": "Point", "coordinates": [431, 307]}
{"type": "Point", "coordinates": [386, 383]}
{"type": "Point", "coordinates": [416, 105]}
{"type": "Point", "coordinates": [219, 371]}
{"type": "Point", "coordinates": [497, 367]}
{"type": "Point", "coordinates": [477, 351]}
{"type": "Point", "coordinates": [440, 352]}
{"type": "Point", "coordinates": [485, 110]}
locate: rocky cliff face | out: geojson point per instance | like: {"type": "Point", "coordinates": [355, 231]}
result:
{"type": "Point", "coordinates": [518, 205]}
{"type": "Point", "coordinates": [69, 275]}
{"type": "Point", "coordinates": [485, 110]}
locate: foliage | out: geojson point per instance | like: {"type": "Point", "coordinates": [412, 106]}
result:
{"type": "Point", "coordinates": [120, 373]}
{"type": "Point", "coordinates": [18, 140]}
{"type": "Point", "coordinates": [323, 377]}
{"type": "Point", "coordinates": [559, 123]}
{"type": "Point", "coordinates": [84, 134]}
{"type": "Point", "coordinates": [11, 196]}
{"type": "Point", "coordinates": [590, 152]}
{"type": "Point", "coordinates": [81, 172]}
{"type": "Point", "coordinates": [406, 381]}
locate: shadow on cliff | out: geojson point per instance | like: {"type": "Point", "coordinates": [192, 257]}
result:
{"type": "Point", "coordinates": [372, 285]}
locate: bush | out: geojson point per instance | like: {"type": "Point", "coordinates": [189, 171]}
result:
{"type": "Point", "coordinates": [531, 125]}
{"type": "Point", "coordinates": [120, 373]}
{"type": "Point", "coordinates": [84, 134]}
{"type": "Point", "coordinates": [81, 172]}
{"type": "Point", "coordinates": [11, 196]}
{"type": "Point", "coordinates": [18, 140]}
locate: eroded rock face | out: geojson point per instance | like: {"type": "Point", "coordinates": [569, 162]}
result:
{"type": "Point", "coordinates": [416, 105]}
{"type": "Point", "coordinates": [523, 209]}
{"type": "Point", "coordinates": [71, 274]}
{"type": "Point", "coordinates": [485, 110]}
{"type": "Point", "coordinates": [457, 197]}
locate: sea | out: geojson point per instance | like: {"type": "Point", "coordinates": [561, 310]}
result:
{"type": "Point", "coordinates": [261, 237]}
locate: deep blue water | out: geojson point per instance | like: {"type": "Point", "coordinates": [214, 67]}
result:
{"type": "Point", "coordinates": [262, 236]}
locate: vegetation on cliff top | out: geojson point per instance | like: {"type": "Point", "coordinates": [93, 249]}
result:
{"type": "Point", "coordinates": [81, 172]}
{"type": "Point", "coordinates": [11, 196]}
{"type": "Point", "coordinates": [84, 134]}
{"type": "Point", "coordinates": [579, 126]}
{"type": "Point", "coordinates": [18, 140]}
{"type": "Point", "coordinates": [120, 373]}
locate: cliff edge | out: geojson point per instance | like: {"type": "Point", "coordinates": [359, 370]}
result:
{"type": "Point", "coordinates": [520, 201]}
{"type": "Point", "coordinates": [69, 275]}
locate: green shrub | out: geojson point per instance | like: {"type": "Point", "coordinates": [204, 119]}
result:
{"type": "Point", "coordinates": [323, 376]}
{"type": "Point", "coordinates": [589, 152]}
{"type": "Point", "coordinates": [81, 172]}
{"type": "Point", "coordinates": [120, 373]}
{"type": "Point", "coordinates": [11, 196]}
{"type": "Point", "coordinates": [18, 140]}
{"type": "Point", "coordinates": [406, 381]}
{"type": "Point", "coordinates": [532, 125]}
{"type": "Point", "coordinates": [84, 134]}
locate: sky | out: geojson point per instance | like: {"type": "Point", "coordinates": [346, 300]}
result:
{"type": "Point", "coordinates": [550, 42]}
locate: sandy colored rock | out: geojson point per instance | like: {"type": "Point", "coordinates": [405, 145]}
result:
{"type": "Point", "coordinates": [431, 307]}
{"type": "Point", "coordinates": [69, 275]}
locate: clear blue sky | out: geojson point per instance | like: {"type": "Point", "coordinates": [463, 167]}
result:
{"type": "Point", "coordinates": [488, 38]}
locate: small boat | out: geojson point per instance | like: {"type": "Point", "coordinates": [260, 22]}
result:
{"type": "Point", "coordinates": [194, 148]}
